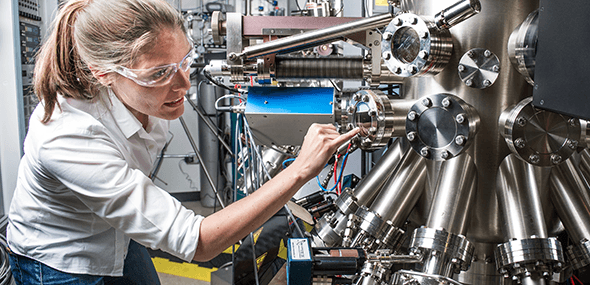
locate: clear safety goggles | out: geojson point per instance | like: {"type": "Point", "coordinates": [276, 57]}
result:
{"type": "Point", "coordinates": [159, 75]}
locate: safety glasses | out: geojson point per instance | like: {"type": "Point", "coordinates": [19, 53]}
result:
{"type": "Point", "coordinates": [159, 75]}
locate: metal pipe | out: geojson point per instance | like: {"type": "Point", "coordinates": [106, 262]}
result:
{"type": "Point", "coordinates": [208, 123]}
{"type": "Point", "coordinates": [457, 13]}
{"type": "Point", "coordinates": [192, 142]}
{"type": "Point", "coordinates": [519, 200]}
{"type": "Point", "coordinates": [370, 186]}
{"type": "Point", "coordinates": [454, 195]}
{"type": "Point", "coordinates": [313, 38]}
{"type": "Point", "coordinates": [400, 193]}
{"type": "Point", "coordinates": [570, 195]}
{"type": "Point", "coordinates": [585, 163]}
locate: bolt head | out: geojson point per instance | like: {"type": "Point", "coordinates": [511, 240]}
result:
{"type": "Point", "coordinates": [413, 69]}
{"type": "Point", "coordinates": [468, 82]}
{"type": "Point", "coordinates": [397, 70]}
{"type": "Point", "coordinates": [414, 21]}
{"type": "Point", "coordinates": [411, 136]}
{"type": "Point", "coordinates": [496, 68]}
{"type": "Point", "coordinates": [572, 122]}
{"type": "Point", "coordinates": [445, 155]}
{"type": "Point", "coordinates": [534, 158]}
{"type": "Point", "coordinates": [387, 56]}
{"type": "Point", "coordinates": [372, 131]}
{"type": "Point", "coordinates": [366, 98]}
{"type": "Point", "coordinates": [461, 68]}
{"type": "Point", "coordinates": [487, 83]}
{"type": "Point", "coordinates": [521, 121]}
{"type": "Point", "coordinates": [412, 115]}
{"type": "Point", "coordinates": [519, 143]}
{"type": "Point", "coordinates": [387, 36]}
{"type": "Point", "coordinates": [356, 97]}
{"type": "Point", "coordinates": [397, 21]}
{"type": "Point", "coordinates": [572, 144]}
{"type": "Point", "coordinates": [423, 54]}
{"type": "Point", "coordinates": [425, 152]}
{"type": "Point", "coordinates": [470, 53]}
{"type": "Point", "coordinates": [460, 140]}
{"type": "Point", "coordinates": [426, 102]}
{"type": "Point", "coordinates": [424, 34]}
{"type": "Point", "coordinates": [372, 113]}
{"type": "Point", "coordinates": [446, 102]}
{"type": "Point", "coordinates": [460, 118]}
{"type": "Point", "coordinates": [350, 109]}
{"type": "Point", "coordinates": [556, 158]}
{"type": "Point", "coordinates": [487, 53]}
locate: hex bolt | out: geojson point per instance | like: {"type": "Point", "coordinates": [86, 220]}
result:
{"type": "Point", "coordinates": [445, 154]}
{"type": "Point", "coordinates": [423, 54]}
{"type": "Point", "coordinates": [387, 56]}
{"type": "Point", "coordinates": [446, 102]}
{"type": "Point", "coordinates": [397, 70]}
{"type": "Point", "coordinates": [572, 144]}
{"type": "Point", "coordinates": [376, 43]}
{"type": "Point", "coordinates": [555, 158]}
{"type": "Point", "coordinates": [387, 36]}
{"type": "Point", "coordinates": [496, 68]}
{"type": "Point", "coordinates": [487, 53]}
{"type": "Point", "coordinates": [233, 56]}
{"type": "Point", "coordinates": [356, 97]}
{"type": "Point", "coordinates": [425, 152]}
{"type": "Point", "coordinates": [414, 21]}
{"type": "Point", "coordinates": [470, 53]}
{"type": "Point", "coordinates": [487, 83]}
{"type": "Point", "coordinates": [350, 109]}
{"type": "Point", "coordinates": [534, 158]}
{"type": "Point", "coordinates": [424, 34]}
{"type": "Point", "coordinates": [366, 98]}
{"type": "Point", "coordinates": [397, 21]}
{"type": "Point", "coordinates": [521, 121]}
{"type": "Point", "coordinates": [468, 82]}
{"type": "Point", "coordinates": [413, 69]}
{"type": "Point", "coordinates": [572, 122]}
{"type": "Point", "coordinates": [411, 136]}
{"type": "Point", "coordinates": [426, 102]}
{"type": "Point", "coordinates": [412, 115]}
{"type": "Point", "coordinates": [460, 140]}
{"type": "Point", "coordinates": [372, 113]}
{"type": "Point", "coordinates": [519, 143]}
{"type": "Point", "coordinates": [461, 68]}
{"type": "Point", "coordinates": [460, 118]}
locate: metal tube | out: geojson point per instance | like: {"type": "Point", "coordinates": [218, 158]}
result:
{"type": "Point", "coordinates": [208, 123]}
{"type": "Point", "coordinates": [328, 67]}
{"type": "Point", "coordinates": [570, 195]}
{"type": "Point", "coordinates": [370, 186]}
{"type": "Point", "coordinates": [457, 13]}
{"type": "Point", "coordinates": [519, 200]}
{"type": "Point", "coordinates": [400, 193]}
{"type": "Point", "coordinates": [454, 195]}
{"type": "Point", "coordinates": [585, 163]}
{"type": "Point", "coordinates": [192, 142]}
{"type": "Point", "coordinates": [313, 38]}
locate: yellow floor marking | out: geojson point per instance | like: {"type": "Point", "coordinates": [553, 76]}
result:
{"type": "Point", "coordinates": [188, 270]}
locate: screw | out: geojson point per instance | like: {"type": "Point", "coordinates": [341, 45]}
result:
{"type": "Point", "coordinates": [412, 115]}
{"type": "Point", "coordinates": [534, 159]}
{"type": "Point", "coordinates": [397, 21]}
{"type": "Point", "coordinates": [446, 102]}
{"type": "Point", "coordinates": [572, 122]}
{"type": "Point", "coordinates": [366, 98]}
{"type": "Point", "coordinates": [387, 56]}
{"type": "Point", "coordinates": [546, 274]}
{"type": "Point", "coordinates": [356, 97]}
{"type": "Point", "coordinates": [423, 54]}
{"type": "Point", "coordinates": [460, 140]}
{"type": "Point", "coordinates": [555, 158]}
{"type": "Point", "coordinates": [387, 36]}
{"type": "Point", "coordinates": [350, 109]}
{"type": "Point", "coordinates": [468, 82]}
{"type": "Point", "coordinates": [487, 53]}
{"type": "Point", "coordinates": [461, 68]}
{"type": "Point", "coordinates": [233, 56]}
{"type": "Point", "coordinates": [425, 152]}
{"type": "Point", "coordinates": [519, 143]}
{"type": "Point", "coordinates": [445, 154]}
{"type": "Point", "coordinates": [426, 102]}
{"type": "Point", "coordinates": [376, 43]}
{"type": "Point", "coordinates": [470, 53]}
{"type": "Point", "coordinates": [411, 136]}
{"type": "Point", "coordinates": [487, 83]}
{"type": "Point", "coordinates": [572, 144]}
{"type": "Point", "coordinates": [424, 34]}
{"type": "Point", "coordinates": [414, 21]}
{"type": "Point", "coordinates": [496, 68]}
{"type": "Point", "coordinates": [397, 70]}
{"type": "Point", "coordinates": [372, 113]}
{"type": "Point", "coordinates": [460, 118]}
{"type": "Point", "coordinates": [521, 121]}
{"type": "Point", "coordinates": [413, 69]}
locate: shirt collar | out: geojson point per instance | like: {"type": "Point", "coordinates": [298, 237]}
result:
{"type": "Point", "coordinates": [124, 119]}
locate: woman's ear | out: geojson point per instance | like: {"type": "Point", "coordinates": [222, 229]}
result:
{"type": "Point", "coordinates": [104, 78]}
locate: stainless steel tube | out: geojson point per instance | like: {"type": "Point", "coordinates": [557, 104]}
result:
{"type": "Point", "coordinates": [371, 185]}
{"type": "Point", "coordinates": [454, 195]}
{"type": "Point", "coordinates": [457, 13]}
{"type": "Point", "coordinates": [400, 193]}
{"type": "Point", "coordinates": [519, 200]}
{"type": "Point", "coordinates": [314, 38]}
{"type": "Point", "coordinates": [570, 195]}
{"type": "Point", "coordinates": [585, 163]}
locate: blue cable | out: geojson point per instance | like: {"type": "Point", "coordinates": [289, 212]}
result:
{"type": "Point", "coordinates": [287, 160]}
{"type": "Point", "coordinates": [339, 177]}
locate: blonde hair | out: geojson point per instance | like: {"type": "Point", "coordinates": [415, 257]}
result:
{"type": "Point", "coordinates": [96, 34]}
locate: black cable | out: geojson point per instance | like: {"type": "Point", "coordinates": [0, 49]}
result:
{"type": "Point", "coordinates": [208, 76]}
{"type": "Point", "coordinates": [297, 3]}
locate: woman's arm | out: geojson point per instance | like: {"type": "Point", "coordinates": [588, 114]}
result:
{"type": "Point", "coordinates": [222, 229]}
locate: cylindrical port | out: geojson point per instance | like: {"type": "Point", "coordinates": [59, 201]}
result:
{"type": "Point", "coordinates": [457, 13]}
{"type": "Point", "coordinates": [328, 67]}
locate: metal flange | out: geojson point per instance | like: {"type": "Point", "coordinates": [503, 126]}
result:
{"type": "Point", "coordinates": [518, 257]}
{"type": "Point", "coordinates": [457, 248]}
{"type": "Point", "coordinates": [441, 126]}
{"type": "Point", "coordinates": [479, 68]}
{"type": "Point", "coordinates": [540, 137]}
{"type": "Point", "coordinates": [413, 45]}
{"type": "Point", "coordinates": [579, 254]}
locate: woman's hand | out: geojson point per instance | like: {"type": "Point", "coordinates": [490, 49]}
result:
{"type": "Point", "coordinates": [320, 143]}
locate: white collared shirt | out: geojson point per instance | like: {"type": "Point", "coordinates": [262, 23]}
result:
{"type": "Point", "coordinates": [83, 190]}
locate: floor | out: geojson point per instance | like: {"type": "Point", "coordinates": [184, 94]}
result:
{"type": "Point", "coordinates": [176, 273]}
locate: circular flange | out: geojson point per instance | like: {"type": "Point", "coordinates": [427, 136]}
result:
{"type": "Point", "coordinates": [372, 112]}
{"type": "Point", "coordinates": [441, 126]}
{"type": "Point", "coordinates": [540, 137]}
{"type": "Point", "coordinates": [579, 254]}
{"type": "Point", "coordinates": [479, 68]}
{"type": "Point", "coordinates": [457, 247]}
{"type": "Point", "coordinates": [522, 46]}
{"type": "Point", "coordinates": [535, 254]}
{"type": "Point", "coordinates": [412, 45]}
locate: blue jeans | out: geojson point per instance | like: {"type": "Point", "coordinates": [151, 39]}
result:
{"type": "Point", "coordinates": [138, 270]}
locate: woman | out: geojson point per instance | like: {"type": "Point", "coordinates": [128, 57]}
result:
{"type": "Point", "coordinates": [110, 75]}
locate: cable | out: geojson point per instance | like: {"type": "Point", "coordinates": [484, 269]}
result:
{"type": "Point", "coordinates": [188, 177]}
{"type": "Point", "coordinates": [208, 76]}
{"type": "Point", "coordinates": [287, 160]}
{"type": "Point", "coordinates": [297, 3]}
{"type": "Point", "coordinates": [5, 272]}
